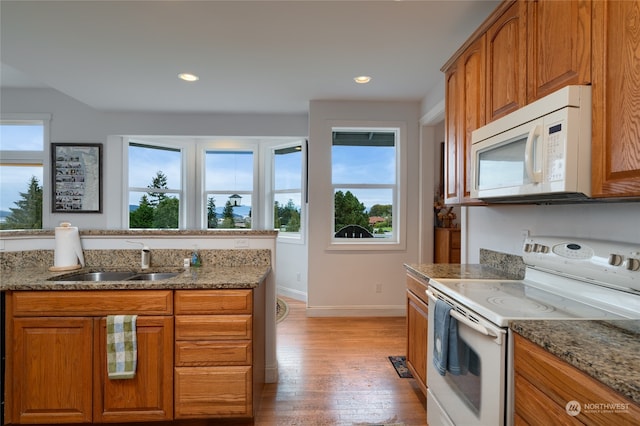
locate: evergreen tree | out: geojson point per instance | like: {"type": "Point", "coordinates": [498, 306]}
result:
{"type": "Point", "coordinates": [227, 216]}
{"type": "Point", "coordinates": [212, 217]}
{"type": "Point", "coordinates": [142, 217]}
{"type": "Point", "coordinates": [349, 211]}
{"type": "Point", "coordinates": [159, 182]}
{"type": "Point", "coordinates": [277, 222]}
{"type": "Point", "coordinates": [294, 222]}
{"type": "Point", "coordinates": [167, 213]}
{"type": "Point", "coordinates": [28, 214]}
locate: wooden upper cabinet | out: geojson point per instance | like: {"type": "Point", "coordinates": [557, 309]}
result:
{"type": "Point", "coordinates": [558, 45]}
{"type": "Point", "coordinates": [465, 88]}
{"type": "Point", "coordinates": [615, 148]}
{"type": "Point", "coordinates": [473, 63]}
{"type": "Point", "coordinates": [453, 124]}
{"type": "Point", "coordinates": [506, 62]}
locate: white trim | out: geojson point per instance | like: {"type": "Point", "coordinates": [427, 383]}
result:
{"type": "Point", "coordinates": [434, 115]}
{"type": "Point", "coordinates": [357, 311]}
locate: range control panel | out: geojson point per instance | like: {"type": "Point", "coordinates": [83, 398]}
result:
{"type": "Point", "coordinates": [610, 263]}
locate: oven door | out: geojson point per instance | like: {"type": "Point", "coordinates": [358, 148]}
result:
{"type": "Point", "coordinates": [476, 397]}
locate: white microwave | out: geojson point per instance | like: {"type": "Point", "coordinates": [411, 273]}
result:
{"type": "Point", "coordinates": [538, 153]}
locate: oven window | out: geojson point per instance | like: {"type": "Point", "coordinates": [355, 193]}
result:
{"type": "Point", "coordinates": [503, 166]}
{"type": "Point", "coordinates": [467, 384]}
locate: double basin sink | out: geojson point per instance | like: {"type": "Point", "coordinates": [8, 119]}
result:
{"type": "Point", "coordinates": [115, 276]}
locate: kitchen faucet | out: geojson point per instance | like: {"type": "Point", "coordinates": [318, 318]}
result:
{"type": "Point", "coordinates": [145, 255]}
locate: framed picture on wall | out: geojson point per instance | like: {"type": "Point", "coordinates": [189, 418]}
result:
{"type": "Point", "coordinates": [76, 177]}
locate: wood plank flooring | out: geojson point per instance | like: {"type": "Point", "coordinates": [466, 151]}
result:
{"type": "Point", "coordinates": [335, 371]}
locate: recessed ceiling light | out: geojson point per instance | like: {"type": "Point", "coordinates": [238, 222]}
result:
{"type": "Point", "coordinates": [362, 79]}
{"type": "Point", "coordinates": [188, 76]}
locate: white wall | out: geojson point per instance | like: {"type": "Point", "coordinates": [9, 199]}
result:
{"type": "Point", "coordinates": [499, 227]}
{"type": "Point", "coordinates": [343, 282]}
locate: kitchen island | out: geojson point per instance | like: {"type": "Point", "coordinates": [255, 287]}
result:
{"type": "Point", "coordinates": [200, 338]}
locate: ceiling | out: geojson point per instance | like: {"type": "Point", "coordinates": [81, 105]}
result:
{"type": "Point", "coordinates": [251, 56]}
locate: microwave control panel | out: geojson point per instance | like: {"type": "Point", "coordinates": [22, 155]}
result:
{"type": "Point", "coordinates": [555, 152]}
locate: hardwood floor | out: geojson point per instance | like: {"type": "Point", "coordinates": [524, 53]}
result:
{"type": "Point", "coordinates": [335, 371]}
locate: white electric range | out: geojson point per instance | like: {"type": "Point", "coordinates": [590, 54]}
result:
{"type": "Point", "coordinates": [565, 279]}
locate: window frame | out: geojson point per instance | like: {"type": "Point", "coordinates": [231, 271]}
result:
{"type": "Point", "coordinates": [33, 157]}
{"type": "Point", "coordinates": [289, 237]}
{"type": "Point", "coordinates": [154, 143]}
{"type": "Point", "coordinates": [229, 146]}
{"type": "Point", "coordinates": [399, 208]}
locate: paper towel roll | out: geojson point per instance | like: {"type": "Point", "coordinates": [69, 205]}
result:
{"type": "Point", "coordinates": [68, 249]}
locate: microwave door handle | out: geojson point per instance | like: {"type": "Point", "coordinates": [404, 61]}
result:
{"type": "Point", "coordinates": [535, 176]}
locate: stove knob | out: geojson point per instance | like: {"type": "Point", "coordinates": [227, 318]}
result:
{"type": "Point", "coordinates": [544, 249]}
{"type": "Point", "coordinates": [633, 264]}
{"type": "Point", "coordinates": [536, 248]}
{"type": "Point", "coordinates": [615, 259]}
{"type": "Point", "coordinates": [527, 248]}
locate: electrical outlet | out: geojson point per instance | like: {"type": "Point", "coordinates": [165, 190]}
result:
{"type": "Point", "coordinates": [242, 243]}
{"type": "Point", "coordinates": [524, 234]}
{"type": "Point", "coordinates": [379, 288]}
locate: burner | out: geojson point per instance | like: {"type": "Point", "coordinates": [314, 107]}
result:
{"type": "Point", "coordinates": [520, 305]}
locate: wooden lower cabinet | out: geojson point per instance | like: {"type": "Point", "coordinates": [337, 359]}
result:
{"type": "Point", "coordinates": [219, 353]}
{"type": "Point", "coordinates": [148, 395]}
{"type": "Point", "coordinates": [57, 370]}
{"type": "Point", "coordinates": [446, 245]}
{"type": "Point", "coordinates": [201, 357]}
{"type": "Point", "coordinates": [51, 364]}
{"type": "Point", "coordinates": [545, 384]}
{"type": "Point", "coordinates": [417, 321]}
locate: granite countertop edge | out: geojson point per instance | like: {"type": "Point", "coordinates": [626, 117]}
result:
{"type": "Point", "coordinates": [612, 357]}
{"type": "Point", "coordinates": [205, 277]}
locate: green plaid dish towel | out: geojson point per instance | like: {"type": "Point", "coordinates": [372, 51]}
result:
{"type": "Point", "coordinates": [122, 346]}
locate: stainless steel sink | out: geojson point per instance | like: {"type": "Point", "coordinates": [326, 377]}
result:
{"type": "Point", "coordinates": [96, 276]}
{"type": "Point", "coordinates": [153, 276]}
{"type": "Point", "coordinates": [115, 276]}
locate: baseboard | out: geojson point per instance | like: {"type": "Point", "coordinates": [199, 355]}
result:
{"type": "Point", "coordinates": [357, 311]}
{"type": "Point", "coordinates": [271, 374]}
{"type": "Point", "coordinates": [294, 294]}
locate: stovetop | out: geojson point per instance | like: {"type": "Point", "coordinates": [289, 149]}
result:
{"type": "Point", "coordinates": [565, 279]}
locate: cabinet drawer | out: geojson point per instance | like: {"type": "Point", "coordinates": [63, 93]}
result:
{"type": "Point", "coordinates": [192, 354]}
{"type": "Point", "coordinates": [213, 327]}
{"type": "Point", "coordinates": [418, 288]}
{"type": "Point", "coordinates": [92, 303]}
{"type": "Point", "coordinates": [193, 302]}
{"type": "Point", "coordinates": [202, 392]}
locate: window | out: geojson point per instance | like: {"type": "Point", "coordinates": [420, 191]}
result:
{"type": "Point", "coordinates": [287, 190]}
{"type": "Point", "coordinates": [228, 188]}
{"type": "Point", "coordinates": [22, 153]}
{"type": "Point", "coordinates": [365, 176]}
{"type": "Point", "coordinates": [155, 186]}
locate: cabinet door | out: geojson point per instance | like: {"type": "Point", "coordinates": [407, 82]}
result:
{"type": "Point", "coordinates": [203, 392]}
{"type": "Point", "coordinates": [465, 88]}
{"type": "Point", "coordinates": [149, 395]}
{"type": "Point", "coordinates": [473, 106]}
{"type": "Point", "coordinates": [558, 45]}
{"type": "Point", "coordinates": [417, 317]}
{"type": "Point", "coordinates": [453, 134]}
{"type": "Point", "coordinates": [506, 62]}
{"type": "Point", "coordinates": [616, 87]}
{"type": "Point", "coordinates": [52, 362]}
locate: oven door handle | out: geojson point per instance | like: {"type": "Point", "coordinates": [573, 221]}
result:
{"type": "Point", "coordinates": [455, 314]}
